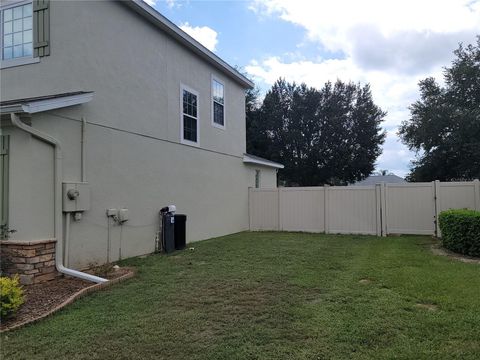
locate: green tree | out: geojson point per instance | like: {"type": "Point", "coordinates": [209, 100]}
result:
{"type": "Point", "coordinates": [444, 127]}
{"type": "Point", "coordinates": [326, 136]}
{"type": "Point", "coordinates": [254, 131]}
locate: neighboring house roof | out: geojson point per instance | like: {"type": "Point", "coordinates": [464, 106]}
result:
{"type": "Point", "coordinates": [252, 159]}
{"type": "Point", "coordinates": [375, 179]}
{"type": "Point", "coordinates": [44, 103]}
{"type": "Point", "coordinates": [153, 16]}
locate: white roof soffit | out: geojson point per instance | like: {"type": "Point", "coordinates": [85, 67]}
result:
{"type": "Point", "coordinates": [36, 105]}
{"type": "Point", "coordinates": [259, 161]}
{"type": "Point", "coordinates": [181, 36]}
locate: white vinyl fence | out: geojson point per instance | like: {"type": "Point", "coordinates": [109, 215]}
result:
{"type": "Point", "coordinates": [381, 209]}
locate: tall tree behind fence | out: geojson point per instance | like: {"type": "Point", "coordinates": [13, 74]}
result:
{"type": "Point", "coordinates": [380, 209]}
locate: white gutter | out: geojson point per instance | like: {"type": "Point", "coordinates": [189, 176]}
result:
{"type": "Point", "coordinates": [255, 160]}
{"type": "Point", "coordinates": [57, 200]}
{"type": "Point", "coordinates": [36, 106]}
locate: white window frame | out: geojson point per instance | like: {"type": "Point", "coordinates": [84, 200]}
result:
{"type": "Point", "coordinates": [194, 92]}
{"type": "Point", "coordinates": [24, 60]}
{"type": "Point", "coordinates": [214, 124]}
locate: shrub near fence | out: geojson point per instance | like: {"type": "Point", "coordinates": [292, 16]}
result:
{"type": "Point", "coordinates": [461, 231]}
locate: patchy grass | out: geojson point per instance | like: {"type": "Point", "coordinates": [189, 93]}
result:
{"type": "Point", "coordinates": [274, 296]}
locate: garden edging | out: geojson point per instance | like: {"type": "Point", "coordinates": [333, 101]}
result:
{"type": "Point", "coordinates": [81, 293]}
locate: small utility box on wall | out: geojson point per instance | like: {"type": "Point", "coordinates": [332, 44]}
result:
{"type": "Point", "coordinates": [76, 196]}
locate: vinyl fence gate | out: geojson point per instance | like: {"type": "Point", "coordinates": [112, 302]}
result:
{"type": "Point", "coordinates": [381, 209]}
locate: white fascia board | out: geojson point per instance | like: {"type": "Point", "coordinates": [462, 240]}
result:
{"type": "Point", "coordinates": [8, 109]}
{"type": "Point", "coordinates": [247, 159]}
{"type": "Point", "coordinates": [62, 102]}
{"type": "Point", "coordinates": [181, 36]}
{"type": "Point", "coordinates": [37, 106]}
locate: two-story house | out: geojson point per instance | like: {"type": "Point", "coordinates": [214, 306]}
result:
{"type": "Point", "coordinates": [107, 105]}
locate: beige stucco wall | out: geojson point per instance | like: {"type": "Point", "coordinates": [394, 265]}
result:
{"type": "Point", "coordinates": [31, 186]}
{"type": "Point", "coordinates": [268, 177]}
{"type": "Point", "coordinates": [105, 47]}
{"type": "Point", "coordinates": [134, 158]}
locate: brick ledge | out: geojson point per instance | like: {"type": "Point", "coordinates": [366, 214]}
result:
{"type": "Point", "coordinates": [28, 242]}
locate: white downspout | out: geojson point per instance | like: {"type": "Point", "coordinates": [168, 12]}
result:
{"type": "Point", "coordinates": [83, 150]}
{"type": "Point", "coordinates": [83, 176]}
{"type": "Point", "coordinates": [57, 200]}
{"type": "Point", "coordinates": [66, 240]}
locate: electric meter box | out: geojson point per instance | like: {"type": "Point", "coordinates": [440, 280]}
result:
{"type": "Point", "coordinates": [122, 215]}
{"type": "Point", "coordinates": [76, 196]}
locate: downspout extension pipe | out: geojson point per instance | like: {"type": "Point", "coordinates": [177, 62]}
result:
{"type": "Point", "coordinates": [83, 150]}
{"type": "Point", "coordinates": [58, 200]}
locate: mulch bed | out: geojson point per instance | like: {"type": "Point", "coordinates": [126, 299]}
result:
{"type": "Point", "coordinates": [44, 299]}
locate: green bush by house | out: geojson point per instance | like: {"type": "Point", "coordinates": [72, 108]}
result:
{"type": "Point", "coordinates": [461, 231]}
{"type": "Point", "coordinates": [11, 296]}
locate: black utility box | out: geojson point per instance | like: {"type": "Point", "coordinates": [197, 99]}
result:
{"type": "Point", "coordinates": [168, 232]}
{"type": "Point", "coordinates": [180, 231]}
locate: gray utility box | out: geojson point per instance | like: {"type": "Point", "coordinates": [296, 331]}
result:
{"type": "Point", "coordinates": [76, 196]}
{"type": "Point", "coordinates": [168, 232]}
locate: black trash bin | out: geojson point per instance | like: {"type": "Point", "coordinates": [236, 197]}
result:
{"type": "Point", "coordinates": [180, 231]}
{"type": "Point", "coordinates": [168, 232]}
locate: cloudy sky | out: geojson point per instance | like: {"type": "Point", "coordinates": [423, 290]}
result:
{"type": "Point", "coordinates": [389, 44]}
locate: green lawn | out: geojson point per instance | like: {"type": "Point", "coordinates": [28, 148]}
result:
{"type": "Point", "coordinates": [273, 296]}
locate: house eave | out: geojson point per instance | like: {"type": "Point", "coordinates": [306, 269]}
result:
{"type": "Point", "coordinates": [183, 38]}
{"type": "Point", "coordinates": [32, 106]}
{"type": "Point", "coordinates": [247, 159]}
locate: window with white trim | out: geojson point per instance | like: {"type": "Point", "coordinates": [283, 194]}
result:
{"type": "Point", "coordinates": [189, 100]}
{"type": "Point", "coordinates": [17, 31]}
{"type": "Point", "coordinates": [218, 103]}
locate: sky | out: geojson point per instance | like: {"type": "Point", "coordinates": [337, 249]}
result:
{"type": "Point", "coordinates": [391, 45]}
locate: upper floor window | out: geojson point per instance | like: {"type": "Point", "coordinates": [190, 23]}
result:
{"type": "Point", "coordinates": [17, 32]}
{"type": "Point", "coordinates": [189, 120]}
{"type": "Point", "coordinates": [218, 103]}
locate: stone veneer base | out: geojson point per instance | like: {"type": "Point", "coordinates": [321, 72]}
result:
{"type": "Point", "coordinates": [33, 261]}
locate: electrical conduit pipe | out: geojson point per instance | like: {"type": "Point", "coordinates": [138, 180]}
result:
{"type": "Point", "coordinates": [58, 231]}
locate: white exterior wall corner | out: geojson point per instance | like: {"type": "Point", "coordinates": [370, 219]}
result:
{"type": "Point", "coordinates": [134, 159]}
{"type": "Point", "coordinates": [268, 176]}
